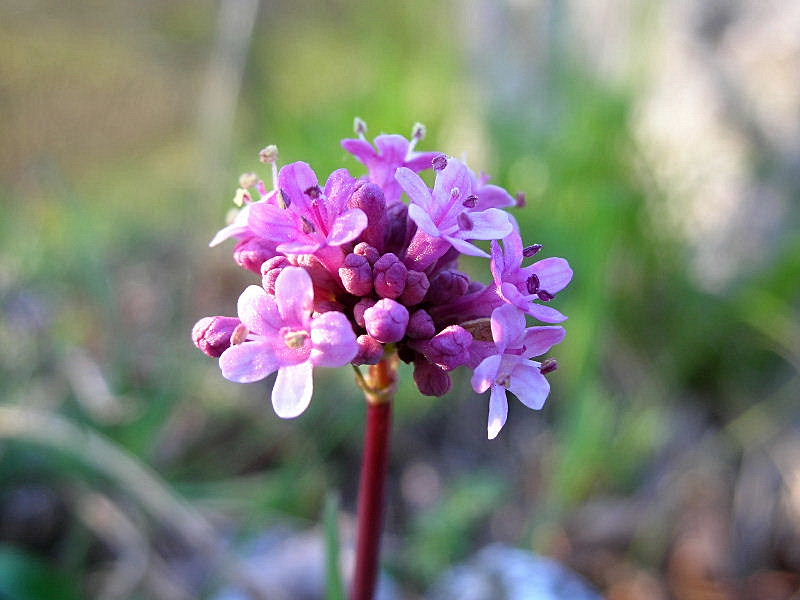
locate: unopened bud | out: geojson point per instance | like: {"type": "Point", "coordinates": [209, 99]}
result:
{"type": "Point", "coordinates": [390, 276]}
{"type": "Point", "coordinates": [447, 286]}
{"type": "Point", "coordinates": [449, 348]}
{"type": "Point", "coordinates": [269, 155]}
{"type": "Point", "coordinates": [360, 308]}
{"type": "Point", "coordinates": [430, 379]}
{"type": "Point", "coordinates": [417, 286]}
{"type": "Point", "coordinates": [370, 199]}
{"type": "Point", "coordinates": [212, 335]}
{"type": "Point", "coordinates": [270, 271]}
{"type": "Point", "coordinates": [420, 326]}
{"type": "Point", "coordinates": [367, 251]}
{"type": "Point", "coordinates": [252, 253]}
{"type": "Point", "coordinates": [370, 351]}
{"type": "Point", "coordinates": [356, 275]}
{"type": "Point", "coordinates": [386, 321]}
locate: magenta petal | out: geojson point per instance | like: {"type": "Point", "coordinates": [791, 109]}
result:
{"type": "Point", "coordinates": [339, 188]}
{"type": "Point", "coordinates": [295, 178]}
{"type": "Point", "coordinates": [465, 247]}
{"type": "Point", "coordinates": [554, 274]}
{"type": "Point", "coordinates": [258, 311]}
{"type": "Point", "coordinates": [361, 149]}
{"type": "Point", "coordinates": [512, 295]}
{"type": "Point", "coordinates": [347, 227]}
{"type": "Point", "coordinates": [546, 314]}
{"type": "Point", "coordinates": [301, 246]}
{"type": "Point", "coordinates": [294, 295]}
{"type": "Point", "coordinates": [272, 223]}
{"type": "Point", "coordinates": [237, 228]}
{"type": "Point", "coordinates": [420, 161]}
{"type": "Point", "coordinates": [393, 148]}
{"type": "Point", "coordinates": [498, 411]}
{"type": "Point", "coordinates": [539, 340]}
{"type": "Point", "coordinates": [333, 341]}
{"type": "Point", "coordinates": [293, 388]}
{"type": "Point", "coordinates": [415, 187]}
{"type": "Point", "coordinates": [423, 220]}
{"type": "Point", "coordinates": [508, 325]}
{"type": "Point", "coordinates": [485, 373]}
{"type": "Point", "coordinates": [248, 362]}
{"type": "Point", "coordinates": [493, 196]}
{"type": "Point", "coordinates": [489, 224]}
{"type": "Point", "coordinates": [529, 385]}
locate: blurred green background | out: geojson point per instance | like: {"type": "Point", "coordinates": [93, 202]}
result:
{"type": "Point", "coordinates": [658, 144]}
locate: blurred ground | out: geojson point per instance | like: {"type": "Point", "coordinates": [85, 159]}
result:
{"type": "Point", "coordinates": [658, 144]}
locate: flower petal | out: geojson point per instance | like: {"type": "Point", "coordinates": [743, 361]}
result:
{"type": "Point", "coordinates": [393, 148]}
{"type": "Point", "coordinates": [508, 326]}
{"type": "Point", "coordinates": [258, 311]}
{"type": "Point", "coordinates": [248, 362]}
{"type": "Point", "coordinates": [485, 373]}
{"type": "Point", "coordinates": [465, 247]}
{"type": "Point", "coordinates": [539, 340]}
{"type": "Point", "coordinates": [546, 314]}
{"type": "Point", "coordinates": [493, 196]}
{"type": "Point", "coordinates": [294, 179]}
{"type": "Point", "coordinates": [272, 223]}
{"type": "Point", "coordinates": [415, 187]}
{"type": "Point", "coordinates": [420, 161]}
{"type": "Point", "coordinates": [423, 220]}
{"type": "Point", "coordinates": [498, 411]}
{"type": "Point", "coordinates": [529, 385]}
{"type": "Point", "coordinates": [291, 394]}
{"type": "Point", "coordinates": [490, 224]}
{"type": "Point", "coordinates": [333, 341]}
{"type": "Point", "coordinates": [347, 227]}
{"type": "Point", "coordinates": [454, 175]}
{"type": "Point", "coordinates": [361, 149]}
{"type": "Point", "coordinates": [294, 295]}
{"type": "Point", "coordinates": [238, 227]}
{"type": "Point", "coordinates": [339, 188]}
{"type": "Point", "coordinates": [554, 274]}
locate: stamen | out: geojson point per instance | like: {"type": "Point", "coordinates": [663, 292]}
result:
{"type": "Point", "coordinates": [360, 127]}
{"type": "Point", "coordinates": [548, 366]}
{"type": "Point", "coordinates": [522, 200]}
{"type": "Point", "coordinates": [419, 131]}
{"type": "Point", "coordinates": [308, 226]}
{"type": "Point", "coordinates": [545, 296]}
{"type": "Point", "coordinates": [295, 339]}
{"type": "Point", "coordinates": [241, 197]}
{"type": "Point", "coordinates": [533, 284]}
{"type": "Point", "coordinates": [283, 199]}
{"type": "Point", "coordinates": [503, 380]}
{"type": "Point", "coordinates": [239, 334]}
{"type": "Point", "coordinates": [269, 155]}
{"type": "Point", "coordinates": [248, 180]}
{"type": "Point", "coordinates": [531, 250]}
{"type": "Point", "coordinates": [313, 192]}
{"type": "Point", "coordinates": [439, 162]}
{"type": "Point", "coordinates": [471, 201]}
{"type": "Point", "coordinates": [455, 193]}
{"type": "Point", "coordinates": [464, 222]}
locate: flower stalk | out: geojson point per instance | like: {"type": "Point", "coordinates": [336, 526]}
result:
{"type": "Point", "coordinates": [379, 387]}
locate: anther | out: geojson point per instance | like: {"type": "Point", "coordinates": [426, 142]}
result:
{"type": "Point", "coordinates": [308, 226]}
{"type": "Point", "coordinates": [360, 126]}
{"type": "Point", "coordinates": [545, 296]}
{"type": "Point", "coordinates": [283, 199]}
{"type": "Point", "coordinates": [313, 192]}
{"type": "Point", "coordinates": [248, 180]}
{"type": "Point", "coordinates": [531, 250]}
{"type": "Point", "coordinates": [533, 284]}
{"type": "Point", "coordinates": [242, 196]}
{"type": "Point", "coordinates": [439, 162]}
{"type": "Point", "coordinates": [419, 131]}
{"type": "Point", "coordinates": [548, 366]}
{"type": "Point", "coordinates": [269, 155]}
{"type": "Point", "coordinates": [522, 200]}
{"type": "Point", "coordinates": [471, 201]}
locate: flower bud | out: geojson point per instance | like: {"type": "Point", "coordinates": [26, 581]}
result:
{"type": "Point", "coordinates": [430, 379]}
{"type": "Point", "coordinates": [390, 276]}
{"type": "Point", "coordinates": [356, 275]}
{"type": "Point", "coordinates": [449, 348]}
{"type": "Point", "coordinates": [251, 253]}
{"type": "Point", "coordinates": [420, 326]}
{"type": "Point", "coordinates": [416, 287]}
{"type": "Point", "coordinates": [447, 286]}
{"type": "Point", "coordinates": [370, 351]}
{"type": "Point", "coordinates": [367, 251]}
{"type": "Point", "coordinates": [270, 271]}
{"type": "Point", "coordinates": [386, 321]}
{"type": "Point", "coordinates": [212, 335]}
{"type": "Point", "coordinates": [397, 235]}
{"type": "Point", "coordinates": [359, 308]}
{"type": "Point", "coordinates": [370, 199]}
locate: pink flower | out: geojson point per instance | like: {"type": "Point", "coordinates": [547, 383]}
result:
{"type": "Point", "coordinates": [282, 335]}
{"type": "Point", "coordinates": [510, 368]}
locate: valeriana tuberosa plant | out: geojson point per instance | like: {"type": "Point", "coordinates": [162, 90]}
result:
{"type": "Point", "coordinates": [364, 271]}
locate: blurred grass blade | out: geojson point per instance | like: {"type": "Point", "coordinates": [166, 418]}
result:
{"type": "Point", "coordinates": [334, 584]}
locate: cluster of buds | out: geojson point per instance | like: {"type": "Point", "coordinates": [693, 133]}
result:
{"type": "Point", "coordinates": [350, 273]}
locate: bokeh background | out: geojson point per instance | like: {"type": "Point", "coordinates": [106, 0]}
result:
{"type": "Point", "coordinates": [658, 143]}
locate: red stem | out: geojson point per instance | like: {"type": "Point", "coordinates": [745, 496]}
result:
{"type": "Point", "coordinates": [371, 500]}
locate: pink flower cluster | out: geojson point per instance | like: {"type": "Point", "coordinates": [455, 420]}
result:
{"type": "Point", "coordinates": [351, 272]}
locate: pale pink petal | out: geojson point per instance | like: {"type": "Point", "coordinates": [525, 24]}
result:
{"type": "Point", "coordinates": [496, 266]}
{"type": "Point", "coordinates": [512, 248]}
{"type": "Point", "coordinates": [294, 179]}
{"type": "Point", "coordinates": [420, 161]}
{"type": "Point", "coordinates": [347, 227]}
{"type": "Point", "coordinates": [272, 223]}
{"type": "Point", "coordinates": [454, 175]}
{"type": "Point", "coordinates": [539, 340]}
{"type": "Point", "coordinates": [291, 394]}
{"type": "Point", "coordinates": [333, 341]}
{"type": "Point", "coordinates": [248, 362]}
{"type": "Point", "coordinates": [554, 274]}
{"type": "Point", "coordinates": [415, 187]}
{"type": "Point", "coordinates": [546, 314]}
{"type": "Point", "coordinates": [493, 196]}
{"type": "Point", "coordinates": [294, 295]}
{"type": "Point", "coordinates": [238, 227]}
{"type": "Point", "coordinates": [423, 220]}
{"type": "Point", "coordinates": [339, 188]}
{"type": "Point", "coordinates": [498, 411]}
{"type": "Point", "coordinates": [490, 224]}
{"type": "Point", "coordinates": [305, 245]}
{"type": "Point", "coordinates": [258, 311]}
{"type": "Point", "coordinates": [361, 149]}
{"type": "Point", "coordinates": [393, 148]}
{"type": "Point", "coordinates": [510, 293]}
{"type": "Point", "coordinates": [485, 373]}
{"type": "Point", "coordinates": [465, 247]}
{"type": "Point", "coordinates": [508, 326]}
{"type": "Point", "coordinates": [529, 385]}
